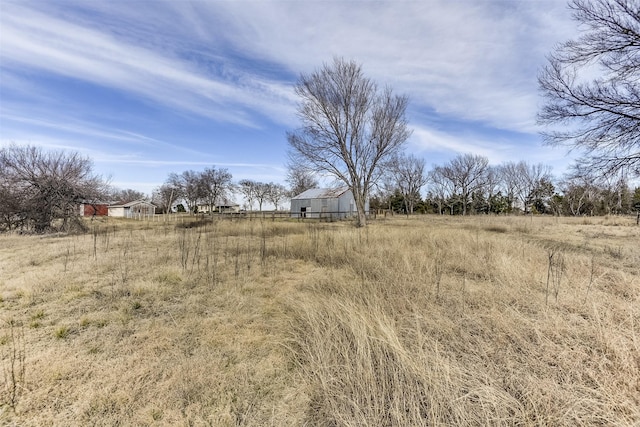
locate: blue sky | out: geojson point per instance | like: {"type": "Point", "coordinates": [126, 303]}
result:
{"type": "Point", "coordinates": [146, 88]}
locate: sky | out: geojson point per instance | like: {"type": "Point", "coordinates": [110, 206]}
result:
{"type": "Point", "coordinates": [145, 88]}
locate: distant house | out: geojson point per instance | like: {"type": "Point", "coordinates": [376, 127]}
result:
{"type": "Point", "coordinates": [135, 209]}
{"type": "Point", "coordinates": [228, 208]}
{"type": "Point", "coordinates": [332, 203]}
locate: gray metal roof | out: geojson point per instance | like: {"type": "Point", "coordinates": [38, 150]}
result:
{"type": "Point", "coordinates": [322, 193]}
{"type": "Point", "coordinates": [130, 204]}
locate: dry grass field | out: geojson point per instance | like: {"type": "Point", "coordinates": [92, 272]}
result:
{"type": "Point", "coordinates": [411, 321]}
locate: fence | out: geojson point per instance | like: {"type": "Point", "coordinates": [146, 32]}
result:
{"type": "Point", "coordinates": [250, 215]}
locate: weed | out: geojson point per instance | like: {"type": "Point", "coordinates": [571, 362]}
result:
{"type": "Point", "coordinates": [38, 315]}
{"type": "Point", "coordinates": [35, 324]}
{"type": "Point", "coordinates": [169, 277]}
{"type": "Point", "coordinates": [62, 332]}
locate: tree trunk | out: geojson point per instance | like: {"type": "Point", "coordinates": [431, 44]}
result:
{"type": "Point", "coordinates": [360, 208]}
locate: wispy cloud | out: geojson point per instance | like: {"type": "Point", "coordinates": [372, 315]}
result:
{"type": "Point", "coordinates": [83, 129]}
{"type": "Point", "coordinates": [474, 60]}
{"type": "Point", "coordinates": [40, 41]}
{"type": "Point", "coordinates": [429, 140]}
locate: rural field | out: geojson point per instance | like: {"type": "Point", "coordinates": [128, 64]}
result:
{"type": "Point", "coordinates": [427, 320]}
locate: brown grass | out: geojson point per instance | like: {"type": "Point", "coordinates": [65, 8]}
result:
{"type": "Point", "coordinates": [419, 321]}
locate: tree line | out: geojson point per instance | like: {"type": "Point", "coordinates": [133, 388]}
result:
{"type": "Point", "coordinates": [468, 184]}
{"type": "Point", "coordinates": [206, 190]}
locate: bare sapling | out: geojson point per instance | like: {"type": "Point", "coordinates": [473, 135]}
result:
{"type": "Point", "coordinates": [555, 270]}
{"type": "Point", "coordinates": [185, 248]}
{"type": "Point", "coordinates": [438, 268]}
{"type": "Point", "coordinates": [124, 262]}
{"type": "Point", "coordinates": [195, 259]}
{"type": "Point", "coordinates": [591, 277]}
{"type": "Point", "coordinates": [13, 367]}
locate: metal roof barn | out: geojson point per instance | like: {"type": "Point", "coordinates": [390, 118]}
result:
{"type": "Point", "coordinates": [330, 203]}
{"type": "Point", "coordinates": [135, 209]}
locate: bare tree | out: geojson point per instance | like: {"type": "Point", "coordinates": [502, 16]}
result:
{"type": "Point", "coordinates": [215, 185]}
{"type": "Point", "coordinates": [165, 195]}
{"type": "Point", "coordinates": [261, 193]}
{"type": "Point", "coordinates": [492, 186]}
{"type": "Point", "coordinates": [44, 188]}
{"type": "Point", "coordinates": [299, 178]}
{"type": "Point", "coordinates": [190, 188]}
{"type": "Point", "coordinates": [600, 115]}
{"type": "Point", "coordinates": [247, 188]}
{"type": "Point", "coordinates": [409, 176]}
{"type": "Point", "coordinates": [127, 195]}
{"type": "Point", "coordinates": [529, 180]}
{"type": "Point", "coordinates": [467, 173]}
{"type": "Point", "coordinates": [441, 188]}
{"type": "Point", "coordinates": [276, 193]}
{"type": "Point", "coordinates": [511, 182]}
{"type": "Point", "coordinates": [349, 127]}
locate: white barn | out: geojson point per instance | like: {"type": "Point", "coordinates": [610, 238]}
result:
{"type": "Point", "coordinates": [135, 209]}
{"type": "Point", "coordinates": [331, 203]}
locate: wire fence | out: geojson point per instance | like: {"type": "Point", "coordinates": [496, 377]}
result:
{"type": "Point", "coordinates": [250, 215]}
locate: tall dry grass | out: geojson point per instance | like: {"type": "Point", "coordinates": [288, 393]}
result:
{"type": "Point", "coordinates": [419, 321]}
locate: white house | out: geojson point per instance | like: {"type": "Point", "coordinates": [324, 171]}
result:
{"type": "Point", "coordinates": [331, 203]}
{"type": "Point", "coordinates": [135, 209]}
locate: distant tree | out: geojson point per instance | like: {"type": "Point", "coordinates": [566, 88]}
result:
{"type": "Point", "coordinates": [441, 188]}
{"type": "Point", "coordinates": [41, 190]}
{"type": "Point", "coordinates": [349, 127]}
{"type": "Point", "coordinates": [495, 202]}
{"type": "Point", "coordinates": [635, 201]}
{"type": "Point", "coordinates": [540, 198]}
{"type": "Point", "coordinates": [299, 178]}
{"type": "Point", "coordinates": [535, 183]}
{"type": "Point", "coordinates": [165, 196]}
{"type": "Point", "coordinates": [397, 202]}
{"type": "Point", "coordinates": [127, 195]}
{"type": "Point", "coordinates": [261, 193]}
{"type": "Point", "coordinates": [409, 176]}
{"type": "Point", "coordinates": [579, 195]}
{"type": "Point", "coordinates": [385, 190]}
{"type": "Point", "coordinates": [510, 181]}
{"type": "Point", "coordinates": [480, 203]}
{"type": "Point", "coordinates": [556, 203]}
{"type": "Point", "coordinates": [12, 214]}
{"type": "Point", "coordinates": [467, 173]}
{"type": "Point", "coordinates": [190, 188]}
{"type": "Point", "coordinates": [615, 197]}
{"type": "Point", "coordinates": [592, 90]}
{"type": "Point", "coordinates": [522, 181]}
{"type": "Point", "coordinates": [215, 185]}
{"type": "Point", "coordinates": [247, 188]}
{"type": "Point", "coordinates": [499, 204]}
{"type": "Point", "coordinates": [276, 193]}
